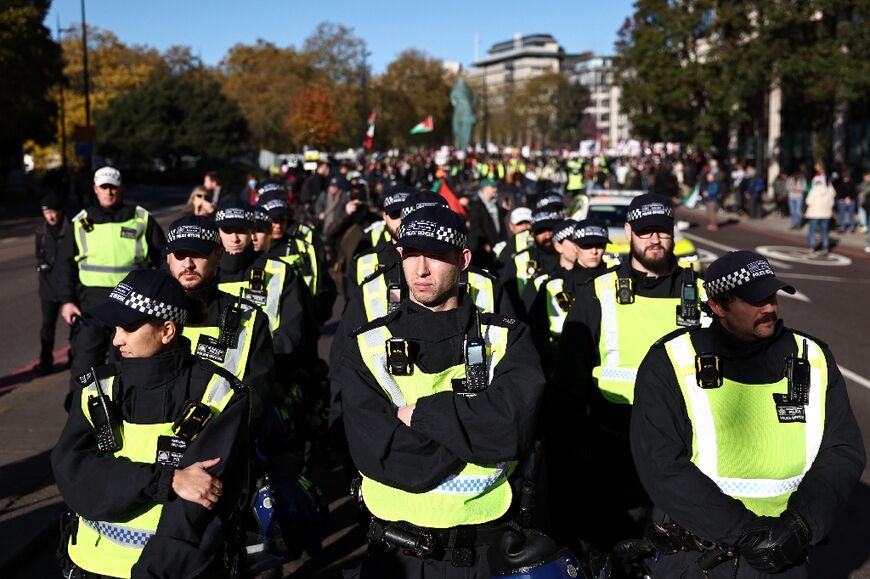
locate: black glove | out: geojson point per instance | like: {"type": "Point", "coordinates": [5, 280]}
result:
{"type": "Point", "coordinates": [773, 544]}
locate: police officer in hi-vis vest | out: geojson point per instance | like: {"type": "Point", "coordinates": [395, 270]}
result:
{"type": "Point", "coordinates": [152, 459]}
{"type": "Point", "coordinates": [108, 241]}
{"type": "Point", "coordinates": [743, 435]}
{"type": "Point", "coordinates": [611, 324]}
{"type": "Point", "coordinates": [439, 403]}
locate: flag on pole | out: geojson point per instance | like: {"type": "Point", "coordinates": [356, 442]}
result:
{"type": "Point", "coordinates": [370, 133]}
{"type": "Point", "coordinates": [426, 126]}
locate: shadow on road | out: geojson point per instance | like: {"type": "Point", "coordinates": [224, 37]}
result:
{"type": "Point", "coordinates": [23, 477]}
{"type": "Point", "coordinates": [848, 546]}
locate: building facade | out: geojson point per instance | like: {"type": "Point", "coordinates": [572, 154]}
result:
{"type": "Point", "coordinates": [598, 75]}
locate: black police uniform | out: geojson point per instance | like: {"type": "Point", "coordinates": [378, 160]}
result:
{"type": "Point", "coordinates": [547, 262]}
{"type": "Point", "coordinates": [661, 442]}
{"type": "Point", "coordinates": [48, 241]}
{"type": "Point", "coordinates": [189, 538]}
{"type": "Point", "coordinates": [447, 430]}
{"type": "Point", "coordinates": [91, 340]}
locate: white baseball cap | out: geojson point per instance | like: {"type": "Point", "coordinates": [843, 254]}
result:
{"type": "Point", "coordinates": [521, 214]}
{"type": "Point", "coordinates": [107, 176]}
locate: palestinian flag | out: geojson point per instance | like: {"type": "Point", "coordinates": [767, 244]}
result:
{"type": "Point", "coordinates": [427, 126]}
{"type": "Point", "coordinates": [370, 133]}
{"type": "Point", "coordinates": [440, 186]}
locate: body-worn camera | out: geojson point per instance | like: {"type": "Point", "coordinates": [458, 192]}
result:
{"type": "Point", "coordinates": [708, 371]}
{"type": "Point", "coordinates": [398, 357]}
{"type": "Point", "coordinates": [624, 290]}
{"type": "Point", "coordinates": [193, 418]}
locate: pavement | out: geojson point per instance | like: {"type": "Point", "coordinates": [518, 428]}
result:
{"type": "Point", "coordinates": [832, 290]}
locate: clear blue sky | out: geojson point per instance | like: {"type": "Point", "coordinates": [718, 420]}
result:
{"type": "Point", "coordinates": [445, 29]}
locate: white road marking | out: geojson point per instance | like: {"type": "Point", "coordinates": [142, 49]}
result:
{"type": "Point", "coordinates": [857, 378]}
{"type": "Point", "coordinates": [830, 278]}
{"type": "Point", "coordinates": [776, 263]}
{"type": "Point", "coordinates": [802, 255]}
{"type": "Point", "coordinates": [799, 296]}
{"type": "Point", "coordinates": [11, 239]}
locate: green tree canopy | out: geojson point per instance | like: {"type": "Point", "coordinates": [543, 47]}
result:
{"type": "Point", "coordinates": [169, 119]}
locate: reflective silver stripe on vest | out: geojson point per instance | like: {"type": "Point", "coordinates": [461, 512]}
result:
{"type": "Point", "coordinates": [124, 536]}
{"type": "Point", "coordinates": [618, 374]}
{"type": "Point", "coordinates": [609, 325]}
{"type": "Point", "coordinates": [141, 216]}
{"type": "Point", "coordinates": [221, 388]}
{"type": "Point", "coordinates": [471, 484]}
{"type": "Point", "coordinates": [484, 295]}
{"type": "Point", "coordinates": [273, 292]}
{"type": "Point", "coordinates": [375, 341]}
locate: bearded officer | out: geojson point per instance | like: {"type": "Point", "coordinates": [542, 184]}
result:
{"type": "Point", "coordinates": [743, 435]}
{"type": "Point", "coordinates": [439, 403]}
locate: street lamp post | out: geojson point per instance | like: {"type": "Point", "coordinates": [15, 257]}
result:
{"type": "Point", "coordinates": [87, 79]}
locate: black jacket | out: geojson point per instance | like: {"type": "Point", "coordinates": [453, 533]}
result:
{"type": "Point", "coordinates": [482, 230]}
{"type": "Point", "coordinates": [447, 430]}
{"type": "Point", "coordinates": [102, 487]}
{"type": "Point", "coordinates": [548, 262]}
{"type": "Point", "coordinates": [324, 292]}
{"type": "Point", "coordinates": [48, 241]}
{"type": "Point", "coordinates": [69, 287]}
{"type": "Point", "coordinates": [661, 442]}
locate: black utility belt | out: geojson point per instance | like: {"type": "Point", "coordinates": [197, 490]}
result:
{"type": "Point", "coordinates": [669, 538]}
{"type": "Point", "coordinates": [456, 543]}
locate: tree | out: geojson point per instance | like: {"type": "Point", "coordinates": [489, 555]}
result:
{"type": "Point", "coordinates": [30, 66]}
{"type": "Point", "coordinates": [262, 79]}
{"type": "Point", "coordinates": [412, 88]}
{"type": "Point", "coordinates": [312, 120]}
{"type": "Point", "coordinates": [169, 119]}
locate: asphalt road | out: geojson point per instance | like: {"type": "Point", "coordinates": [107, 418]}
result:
{"type": "Point", "coordinates": [830, 306]}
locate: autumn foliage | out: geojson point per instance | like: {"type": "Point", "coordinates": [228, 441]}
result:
{"type": "Point", "coordinates": [311, 117]}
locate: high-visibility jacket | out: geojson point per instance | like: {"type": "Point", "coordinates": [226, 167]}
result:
{"type": "Point", "coordinates": [626, 334]}
{"type": "Point", "coordinates": [473, 495]}
{"type": "Point", "coordinates": [377, 232]}
{"type": "Point", "coordinates": [481, 289]}
{"type": "Point", "coordinates": [302, 256]}
{"type": "Point", "coordinates": [275, 275]}
{"type": "Point", "coordinates": [109, 251]}
{"type": "Point", "coordinates": [232, 358]}
{"type": "Point", "coordinates": [575, 175]}
{"type": "Point", "coordinates": [113, 547]}
{"type": "Point", "coordinates": [738, 440]}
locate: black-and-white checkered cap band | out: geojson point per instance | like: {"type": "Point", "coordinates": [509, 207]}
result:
{"type": "Point", "coordinates": [432, 230]}
{"type": "Point", "coordinates": [411, 208]}
{"type": "Point", "coordinates": [274, 204]}
{"type": "Point", "coordinates": [539, 216]}
{"type": "Point", "coordinates": [650, 209]}
{"type": "Point", "coordinates": [590, 231]}
{"type": "Point", "coordinates": [549, 200]}
{"type": "Point", "coordinates": [132, 299]}
{"type": "Point", "coordinates": [564, 233]}
{"type": "Point", "coordinates": [233, 214]}
{"type": "Point", "coordinates": [193, 232]}
{"type": "Point", "coordinates": [395, 199]}
{"type": "Point", "coordinates": [750, 272]}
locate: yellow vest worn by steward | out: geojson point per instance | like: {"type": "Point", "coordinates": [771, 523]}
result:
{"type": "Point", "coordinates": [107, 252]}
{"type": "Point", "coordinates": [626, 334]}
{"type": "Point", "coordinates": [475, 494]}
{"type": "Point", "coordinates": [738, 439]}
{"type": "Point", "coordinates": [269, 298]}
{"type": "Point", "coordinates": [113, 547]}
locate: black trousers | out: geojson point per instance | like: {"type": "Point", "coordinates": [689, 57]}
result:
{"type": "Point", "coordinates": [50, 310]}
{"type": "Point", "coordinates": [380, 565]}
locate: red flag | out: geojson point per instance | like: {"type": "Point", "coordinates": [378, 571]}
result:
{"type": "Point", "coordinates": [370, 133]}
{"type": "Point", "coordinates": [452, 200]}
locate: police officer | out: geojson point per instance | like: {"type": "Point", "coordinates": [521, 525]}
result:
{"type": "Point", "coordinates": [611, 324]}
{"type": "Point", "coordinates": [262, 232]}
{"type": "Point", "coordinates": [152, 456]}
{"type": "Point", "coordinates": [231, 332]}
{"type": "Point", "coordinates": [367, 260]}
{"type": "Point", "coordinates": [743, 435]}
{"type": "Point", "coordinates": [519, 226]}
{"type": "Point", "coordinates": [580, 246]}
{"type": "Point", "coordinates": [268, 283]}
{"type": "Point", "coordinates": [296, 245]}
{"type": "Point", "coordinates": [49, 236]}
{"type": "Point", "coordinates": [532, 261]}
{"type": "Point", "coordinates": [439, 403]}
{"type": "Point", "coordinates": [108, 241]}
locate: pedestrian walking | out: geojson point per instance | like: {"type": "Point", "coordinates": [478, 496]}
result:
{"type": "Point", "coordinates": [49, 236]}
{"type": "Point", "coordinates": [819, 211]}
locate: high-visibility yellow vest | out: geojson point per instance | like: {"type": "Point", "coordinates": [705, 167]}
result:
{"type": "Point", "coordinates": [556, 310]}
{"type": "Point", "coordinates": [482, 291]}
{"type": "Point", "coordinates": [575, 176]}
{"type": "Point", "coordinates": [527, 269]}
{"type": "Point", "coordinates": [476, 493]}
{"type": "Point", "coordinates": [298, 253]}
{"type": "Point", "coordinates": [737, 438]}
{"type": "Point", "coordinates": [366, 265]}
{"type": "Point", "coordinates": [232, 359]}
{"type": "Point", "coordinates": [109, 251]}
{"type": "Point", "coordinates": [113, 547]}
{"type": "Point", "coordinates": [275, 275]}
{"type": "Point", "coordinates": [377, 230]}
{"type": "Point", "coordinates": [626, 334]}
